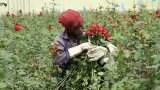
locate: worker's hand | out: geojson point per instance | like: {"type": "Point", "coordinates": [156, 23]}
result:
{"type": "Point", "coordinates": [74, 51]}
{"type": "Point", "coordinates": [112, 49]}
{"type": "Point", "coordinates": [86, 45]}
{"type": "Point", "coordinates": [107, 60]}
{"type": "Point", "coordinates": [96, 52]}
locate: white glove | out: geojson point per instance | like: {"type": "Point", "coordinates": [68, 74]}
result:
{"type": "Point", "coordinates": [86, 46]}
{"type": "Point", "coordinates": [74, 51]}
{"type": "Point", "coordinates": [112, 49]}
{"type": "Point", "coordinates": [96, 52]}
{"type": "Point", "coordinates": [107, 60]}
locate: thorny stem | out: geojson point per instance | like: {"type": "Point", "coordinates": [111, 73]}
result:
{"type": "Point", "coordinates": [65, 78]}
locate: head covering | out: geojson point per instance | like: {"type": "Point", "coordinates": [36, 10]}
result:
{"type": "Point", "coordinates": [69, 19]}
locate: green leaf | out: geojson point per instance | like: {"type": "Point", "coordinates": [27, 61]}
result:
{"type": "Point", "coordinates": [110, 67]}
{"type": "Point", "coordinates": [153, 66]}
{"type": "Point", "coordinates": [105, 88]}
{"type": "Point", "coordinates": [156, 58]}
{"type": "Point", "coordinates": [3, 85]}
{"type": "Point", "coordinates": [21, 72]}
{"type": "Point", "coordinates": [157, 87]}
{"type": "Point", "coordinates": [136, 55]}
{"type": "Point", "coordinates": [117, 85]}
{"type": "Point", "coordinates": [2, 74]}
{"type": "Point", "coordinates": [126, 53]}
{"type": "Point", "coordinates": [147, 36]}
{"type": "Point", "coordinates": [54, 80]}
{"type": "Point", "coordinates": [139, 46]}
{"type": "Point", "coordinates": [100, 73]}
{"type": "Point", "coordinates": [102, 40]}
{"type": "Point", "coordinates": [137, 24]}
{"type": "Point", "coordinates": [6, 55]}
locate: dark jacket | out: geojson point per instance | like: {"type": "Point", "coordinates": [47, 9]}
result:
{"type": "Point", "coordinates": [63, 43]}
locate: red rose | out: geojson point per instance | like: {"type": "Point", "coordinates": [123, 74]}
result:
{"type": "Point", "coordinates": [124, 16]}
{"type": "Point", "coordinates": [91, 28]}
{"type": "Point", "coordinates": [92, 21]}
{"type": "Point", "coordinates": [13, 15]}
{"type": "Point", "coordinates": [40, 14]}
{"type": "Point", "coordinates": [49, 26]}
{"type": "Point", "coordinates": [8, 14]}
{"type": "Point", "coordinates": [90, 32]}
{"type": "Point", "coordinates": [158, 13]}
{"type": "Point", "coordinates": [114, 23]}
{"type": "Point", "coordinates": [107, 36]}
{"type": "Point", "coordinates": [101, 30]}
{"type": "Point", "coordinates": [96, 27]}
{"type": "Point", "coordinates": [106, 32]}
{"type": "Point", "coordinates": [109, 19]}
{"type": "Point", "coordinates": [17, 26]}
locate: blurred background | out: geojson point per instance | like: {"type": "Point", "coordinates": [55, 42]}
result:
{"type": "Point", "coordinates": [61, 5]}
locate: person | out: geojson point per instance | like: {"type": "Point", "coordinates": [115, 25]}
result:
{"type": "Point", "coordinates": [67, 44]}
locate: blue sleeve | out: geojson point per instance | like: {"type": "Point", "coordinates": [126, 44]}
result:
{"type": "Point", "coordinates": [61, 58]}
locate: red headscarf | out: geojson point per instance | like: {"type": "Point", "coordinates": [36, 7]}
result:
{"type": "Point", "coordinates": [69, 19]}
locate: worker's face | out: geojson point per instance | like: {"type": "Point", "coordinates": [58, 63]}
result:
{"type": "Point", "coordinates": [78, 30]}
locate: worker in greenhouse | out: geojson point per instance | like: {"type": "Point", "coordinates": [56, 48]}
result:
{"type": "Point", "coordinates": [67, 44]}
